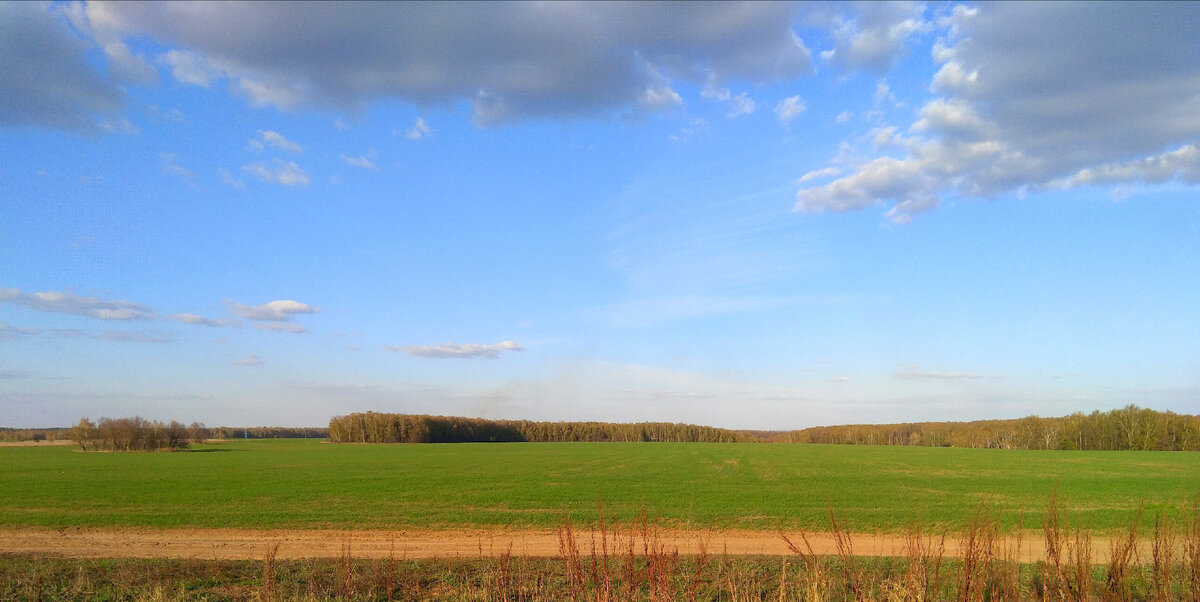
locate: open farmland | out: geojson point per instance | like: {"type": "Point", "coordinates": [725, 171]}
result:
{"type": "Point", "coordinates": [305, 484]}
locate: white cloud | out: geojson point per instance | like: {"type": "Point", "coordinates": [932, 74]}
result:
{"type": "Point", "coordinates": [362, 162]}
{"type": "Point", "coordinates": [171, 166]}
{"type": "Point", "coordinates": [199, 320]}
{"type": "Point", "coordinates": [68, 303]}
{"type": "Point", "coordinates": [280, 310]}
{"type": "Point", "coordinates": [877, 36]}
{"type": "Point", "coordinates": [118, 125]}
{"type": "Point", "coordinates": [1078, 108]}
{"type": "Point", "coordinates": [277, 140]}
{"type": "Point", "coordinates": [659, 96]}
{"type": "Point", "coordinates": [915, 373]}
{"type": "Point", "coordinates": [282, 327]}
{"type": "Point", "coordinates": [420, 130]}
{"type": "Point", "coordinates": [96, 21]}
{"type": "Point", "coordinates": [827, 172]}
{"type": "Point", "coordinates": [135, 336]}
{"type": "Point", "coordinates": [742, 105]}
{"type": "Point", "coordinates": [789, 109]}
{"type": "Point", "coordinates": [229, 180]}
{"type": "Point", "coordinates": [249, 360]}
{"type": "Point", "coordinates": [287, 173]}
{"type": "Point", "coordinates": [458, 350]}
{"type": "Point", "coordinates": [189, 68]}
{"type": "Point", "coordinates": [518, 67]}
{"type": "Point", "coordinates": [739, 105]}
{"type": "Point", "coordinates": [9, 332]}
{"type": "Point", "coordinates": [685, 133]}
{"type": "Point", "coordinates": [884, 95]}
{"type": "Point", "coordinates": [1181, 164]}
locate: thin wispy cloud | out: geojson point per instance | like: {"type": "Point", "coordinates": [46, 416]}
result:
{"type": "Point", "coordinates": [135, 336]}
{"type": "Point", "coordinates": [200, 320]}
{"type": "Point", "coordinates": [916, 373]}
{"type": "Point", "coordinates": [362, 162]}
{"type": "Point", "coordinates": [287, 173]}
{"type": "Point", "coordinates": [286, 327]}
{"type": "Point", "coordinates": [789, 109]}
{"type": "Point", "coordinates": [250, 360]}
{"type": "Point", "coordinates": [420, 130]}
{"type": "Point", "coordinates": [458, 350]}
{"type": "Point", "coordinates": [69, 303]}
{"type": "Point", "coordinates": [267, 138]}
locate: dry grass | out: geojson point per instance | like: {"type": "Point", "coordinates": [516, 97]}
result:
{"type": "Point", "coordinates": [609, 562]}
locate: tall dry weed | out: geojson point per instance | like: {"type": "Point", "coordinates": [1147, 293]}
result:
{"type": "Point", "coordinates": [851, 575]}
{"type": "Point", "coordinates": [266, 592]}
{"type": "Point", "coordinates": [1191, 552]}
{"type": "Point", "coordinates": [1067, 568]}
{"type": "Point", "coordinates": [346, 572]}
{"type": "Point", "coordinates": [1122, 557]}
{"type": "Point", "coordinates": [977, 545]}
{"type": "Point", "coordinates": [1162, 553]}
{"type": "Point", "coordinates": [568, 550]}
{"type": "Point", "coordinates": [816, 584]}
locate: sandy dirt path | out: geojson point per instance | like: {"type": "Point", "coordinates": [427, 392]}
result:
{"type": "Point", "coordinates": [253, 544]}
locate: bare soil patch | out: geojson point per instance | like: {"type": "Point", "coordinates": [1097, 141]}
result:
{"type": "Point", "coordinates": [226, 544]}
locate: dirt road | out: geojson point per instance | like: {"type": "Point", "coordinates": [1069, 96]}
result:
{"type": "Point", "coordinates": [253, 544]}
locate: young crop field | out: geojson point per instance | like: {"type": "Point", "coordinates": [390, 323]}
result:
{"type": "Point", "coordinates": [306, 484]}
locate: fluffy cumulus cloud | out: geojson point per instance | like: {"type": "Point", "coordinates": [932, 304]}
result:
{"type": "Point", "coordinates": [69, 303]}
{"type": "Point", "coordinates": [459, 350]}
{"type": "Point", "coordinates": [524, 59]}
{"type": "Point", "coordinates": [1035, 95]}
{"type": "Point", "coordinates": [280, 310]}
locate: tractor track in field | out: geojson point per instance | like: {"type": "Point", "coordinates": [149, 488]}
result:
{"type": "Point", "coordinates": [251, 544]}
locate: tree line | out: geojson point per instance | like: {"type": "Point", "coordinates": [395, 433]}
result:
{"type": "Point", "coordinates": [135, 434]}
{"type": "Point", "coordinates": [374, 427]}
{"type": "Point", "coordinates": [268, 432]}
{"type": "Point", "coordinates": [1128, 428]}
{"type": "Point", "coordinates": [9, 434]}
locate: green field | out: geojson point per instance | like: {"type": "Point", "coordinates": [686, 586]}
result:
{"type": "Point", "coordinates": [309, 484]}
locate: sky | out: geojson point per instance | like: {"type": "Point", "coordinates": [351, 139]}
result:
{"type": "Point", "coordinates": [766, 216]}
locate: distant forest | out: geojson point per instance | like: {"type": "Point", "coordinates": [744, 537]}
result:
{"type": "Point", "coordinates": [373, 427]}
{"type": "Point", "coordinates": [1129, 428]}
{"type": "Point", "coordinates": [220, 432]}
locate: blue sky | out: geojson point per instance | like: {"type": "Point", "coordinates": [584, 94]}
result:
{"type": "Point", "coordinates": [746, 215]}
